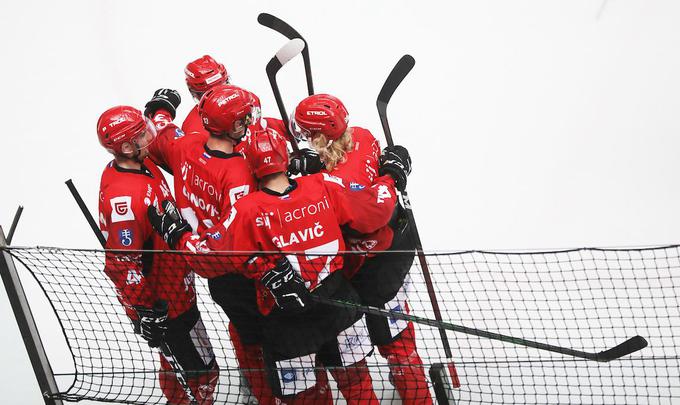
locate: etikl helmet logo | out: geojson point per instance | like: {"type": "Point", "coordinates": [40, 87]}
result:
{"type": "Point", "coordinates": [312, 112]}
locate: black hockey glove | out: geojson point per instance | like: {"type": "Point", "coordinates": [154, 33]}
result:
{"type": "Point", "coordinates": [287, 287]}
{"type": "Point", "coordinates": [396, 162]}
{"type": "Point", "coordinates": [153, 323]}
{"type": "Point", "coordinates": [170, 225]}
{"type": "Point", "coordinates": [307, 162]}
{"type": "Point", "coordinates": [163, 99]}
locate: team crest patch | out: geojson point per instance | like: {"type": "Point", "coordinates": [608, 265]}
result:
{"type": "Point", "coordinates": [121, 209]}
{"type": "Point", "coordinates": [125, 236]}
{"type": "Point", "coordinates": [356, 186]}
{"type": "Point", "coordinates": [178, 133]}
{"type": "Point", "coordinates": [216, 235]}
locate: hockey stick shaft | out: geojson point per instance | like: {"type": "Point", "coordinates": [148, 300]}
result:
{"type": "Point", "coordinates": [165, 350]}
{"type": "Point", "coordinates": [629, 346]}
{"type": "Point", "coordinates": [396, 76]}
{"type": "Point", "coordinates": [289, 32]}
{"type": "Point", "coordinates": [86, 213]}
{"type": "Point", "coordinates": [291, 49]}
{"type": "Point", "coordinates": [13, 227]}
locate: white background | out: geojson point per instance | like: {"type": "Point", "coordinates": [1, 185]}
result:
{"type": "Point", "coordinates": [531, 124]}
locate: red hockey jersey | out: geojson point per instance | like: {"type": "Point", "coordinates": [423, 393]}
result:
{"type": "Point", "coordinates": [361, 163]}
{"type": "Point", "coordinates": [207, 182]}
{"type": "Point", "coordinates": [358, 170]}
{"type": "Point", "coordinates": [304, 222]}
{"type": "Point", "coordinates": [140, 278]}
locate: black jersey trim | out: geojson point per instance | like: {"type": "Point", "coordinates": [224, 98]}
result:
{"type": "Point", "coordinates": [143, 171]}
{"type": "Point", "coordinates": [220, 154]}
{"type": "Point", "coordinates": [293, 185]}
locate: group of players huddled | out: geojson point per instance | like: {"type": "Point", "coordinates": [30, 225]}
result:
{"type": "Point", "coordinates": [237, 189]}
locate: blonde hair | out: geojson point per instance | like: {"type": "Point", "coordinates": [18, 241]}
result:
{"type": "Point", "coordinates": [333, 153]}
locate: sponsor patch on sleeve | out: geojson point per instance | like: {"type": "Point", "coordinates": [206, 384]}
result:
{"type": "Point", "coordinates": [121, 209]}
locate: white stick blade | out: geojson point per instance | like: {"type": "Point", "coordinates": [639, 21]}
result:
{"type": "Point", "coordinates": [291, 49]}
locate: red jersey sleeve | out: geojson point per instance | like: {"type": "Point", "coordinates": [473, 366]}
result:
{"type": "Point", "coordinates": [362, 209]}
{"type": "Point", "coordinates": [192, 123]}
{"type": "Point", "coordinates": [165, 150]}
{"type": "Point", "coordinates": [123, 222]}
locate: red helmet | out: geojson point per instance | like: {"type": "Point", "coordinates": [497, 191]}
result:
{"type": "Point", "coordinates": [223, 105]}
{"type": "Point", "coordinates": [123, 124]}
{"type": "Point", "coordinates": [266, 152]}
{"type": "Point", "coordinates": [320, 113]}
{"type": "Point", "coordinates": [204, 73]}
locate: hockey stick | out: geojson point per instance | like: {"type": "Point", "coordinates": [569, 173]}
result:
{"type": "Point", "coordinates": [399, 72]}
{"type": "Point", "coordinates": [289, 32]}
{"type": "Point", "coordinates": [86, 212]}
{"type": "Point", "coordinates": [164, 349]}
{"type": "Point", "coordinates": [444, 376]}
{"type": "Point", "coordinates": [623, 349]}
{"type": "Point", "coordinates": [287, 52]}
{"type": "Point", "coordinates": [13, 227]}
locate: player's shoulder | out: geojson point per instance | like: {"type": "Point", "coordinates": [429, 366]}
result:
{"type": "Point", "coordinates": [363, 134]}
{"type": "Point", "coordinates": [135, 184]}
{"type": "Point", "coordinates": [322, 179]}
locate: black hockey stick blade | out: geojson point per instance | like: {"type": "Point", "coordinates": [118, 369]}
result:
{"type": "Point", "coordinates": [631, 345]}
{"type": "Point", "coordinates": [289, 32]}
{"type": "Point", "coordinates": [397, 75]}
{"type": "Point", "coordinates": [291, 49]}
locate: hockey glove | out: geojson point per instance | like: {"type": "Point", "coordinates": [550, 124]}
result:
{"type": "Point", "coordinates": [153, 323]}
{"type": "Point", "coordinates": [396, 162]}
{"type": "Point", "coordinates": [170, 224]}
{"type": "Point", "coordinates": [287, 287]}
{"type": "Point", "coordinates": [307, 162]}
{"type": "Point", "coordinates": [163, 99]}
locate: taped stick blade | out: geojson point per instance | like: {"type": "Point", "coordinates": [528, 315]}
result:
{"type": "Point", "coordinates": [290, 50]}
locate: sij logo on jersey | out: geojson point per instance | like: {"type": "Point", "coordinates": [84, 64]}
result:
{"type": "Point", "coordinates": [178, 133]}
{"type": "Point", "coordinates": [125, 236]}
{"type": "Point", "coordinates": [121, 209]}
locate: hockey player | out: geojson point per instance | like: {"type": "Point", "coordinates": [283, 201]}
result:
{"type": "Point", "coordinates": [353, 154]}
{"type": "Point", "coordinates": [302, 219]}
{"type": "Point", "coordinates": [201, 74]}
{"type": "Point", "coordinates": [146, 283]}
{"type": "Point", "coordinates": [210, 176]}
